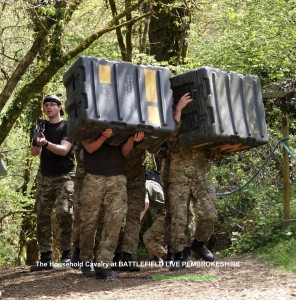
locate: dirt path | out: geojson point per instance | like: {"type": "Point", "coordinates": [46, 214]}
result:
{"type": "Point", "coordinates": [231, 278]}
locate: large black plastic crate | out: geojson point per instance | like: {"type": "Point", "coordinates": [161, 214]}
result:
{"type": "Point", "coordinates": [227, 109]}
{"type": "Point", "coordinates": [120, 95]}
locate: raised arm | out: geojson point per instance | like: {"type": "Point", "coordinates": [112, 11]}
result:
{"type": "Point", "coordinates": [92, 146]}
{"type": "Point", "coordinates": [184, 100]}
{"type": "Point", "coordinates": [128, 146]}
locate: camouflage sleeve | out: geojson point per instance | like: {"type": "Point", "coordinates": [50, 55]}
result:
{"type": "Point", "coordinates": [174, 135]}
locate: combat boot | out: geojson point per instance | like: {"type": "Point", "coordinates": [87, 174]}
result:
{"type": "Point", "coordinates": [66, 258]}
{"type": "Point", "coordinates": [179, 261]}
{"type": "Point", "coordinates": [75, 259]}
{"type": "Point", "coordinates": [115, 261]}
{"type": "Point", "coordinates": [158, 259]}
{"type": "Point", "coordinates": [127, 263]}
{"type": "Point", "coordinates": [187, 254]}
{"type": "Point", "coordinates": [169, 258]}
{"type": "Point", "coordinates": [200, 249]}
{"type": "Point", "coordinates": [103, 273]}
{"type": "Point", "coordinates": [87, 269]}
{"type": "Point", "coordinates": [45, 262]}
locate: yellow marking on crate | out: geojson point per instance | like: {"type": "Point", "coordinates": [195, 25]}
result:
{"type": "Point", "coordinates": [150, 85]}
{"type": "Point", "coordinates": [104, 74]}
{"type": "Point", "coordinates": [153, 115]}
{"type": "Point", "coordinates": [248, 85]}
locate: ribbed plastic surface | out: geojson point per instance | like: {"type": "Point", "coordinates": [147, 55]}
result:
{"type": "Point", "coordinates": [227, 109]}
{"type": "Point", "coordinates": [120, 95]}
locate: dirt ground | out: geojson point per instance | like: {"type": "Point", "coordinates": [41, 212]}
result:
{"type": "Point", "coordinates": [230, 278]}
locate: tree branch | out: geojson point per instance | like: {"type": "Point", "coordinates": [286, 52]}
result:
{"type": "Point", "coordinates": [96, 35]}
{"type": "Point", "coordinates": [23, 66]}
{"type": "Point", "coordinates": [11, 213]}
{"type": "Point", "coordinates": [118, 31]}
{"type": "Point", "coordinates": [31, 54]}
{"type": "Point", "coordinates": [128, 36]}
{"type": "Point", "coordinates": [37, 84]}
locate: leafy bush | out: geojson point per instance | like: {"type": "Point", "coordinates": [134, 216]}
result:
{"type": "Point", "coordinates": [252, 217]}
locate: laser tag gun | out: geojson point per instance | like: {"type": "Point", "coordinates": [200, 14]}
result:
{"type": "Point", "coordinates": [40, 128]}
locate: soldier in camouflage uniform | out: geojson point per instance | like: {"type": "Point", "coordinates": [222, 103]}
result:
{"type": "Point", "coordinates": [165, 165]}
{"type": "Point", "coordinates": [190, 181]}
{"type": "Point", "coordinates": [79, 176]}
{"type": "Point", "coordinates": [54, 184]}
{"type": "Point", "coordinates": [167, 219]}
{"type": "Point", "coordinates": [154, 237]}
{"type": "Point", "coordinates": [134, 170]}
{"type": "Point", "coordinates": [103, 195]}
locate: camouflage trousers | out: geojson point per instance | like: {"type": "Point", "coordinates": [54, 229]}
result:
{"type": "Point", "coordinates": [54, 193]}
{"type": "Point", "coordinates": [169, 230]}
{"type": "Point", "coordinates": [154, 238]}
{"type": "Point", "coordinates": [103, 207]}
{"type": "Point", "coordinates": [168, 216]}
{"type": "Point", "coordinates": [190, 187]}
{"type": "Point", "coordinates": [164, 174]}
{"type": "Point", "coordinates": [76, 211]}
{"type": "Point", "coordinates": [129, 236]}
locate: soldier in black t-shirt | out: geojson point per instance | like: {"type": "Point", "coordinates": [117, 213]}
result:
{"type": "Point", "coordinates": [103, 200]}
{"type": "Point", "coordinates": [54, 184]}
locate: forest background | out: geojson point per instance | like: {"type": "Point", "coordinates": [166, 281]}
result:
{"type": "Point", "coordinates": [41, 39]}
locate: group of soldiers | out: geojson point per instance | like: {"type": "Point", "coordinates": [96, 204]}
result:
{"type": "Point", "coordinates": [110, 195]}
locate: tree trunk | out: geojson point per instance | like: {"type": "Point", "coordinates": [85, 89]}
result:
{"type": "Point", "coordinates": [168, 32]}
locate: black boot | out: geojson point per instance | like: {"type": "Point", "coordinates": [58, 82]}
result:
{"type": "Point", "coordinates": [66, 258]}
{"type": "Point", "coordinates": [127, 263]}
{"type": "Point", "coordinates": [115, 261]}
{"type": "Point", "coordinates": [187, 254]}
{"type": "Point", "coordinates": [75, 259]}
{"type": "Point", "coordinates": [87, 269]}
{"type": "Point", "coordinates": [169, 258]}
{"type": "Point", "coordinates": [179, 262]}
{"type": "Point", "coordinates": [103, 273]}
{"type": "Point", "coordinates": [158, 259]}
{"type": "Point", "coordinates": [45, 262]}
{"type": "Point", "coordinates": [202, 250]}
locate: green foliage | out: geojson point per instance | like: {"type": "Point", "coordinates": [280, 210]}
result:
{"type": "Point", "coordinates": [281, 251]}
{"type": "Point", "coordinates": [150, 163]}
{"type": "Point", "coordinates": [14, 194]}
{"type": "Point", "coordinates": [141, 253]}
{"type": "Point", "coordinates": [252, 218]}
{"type": "Point", "coordinates": [249, 37]}
{"type": "Point", "coordinates": [10, 222]}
